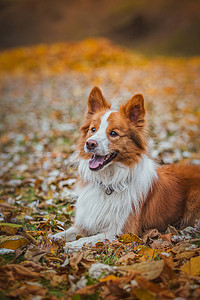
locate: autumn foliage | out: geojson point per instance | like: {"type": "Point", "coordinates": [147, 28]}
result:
{"type": "Point", "coordinates": [43, 97]}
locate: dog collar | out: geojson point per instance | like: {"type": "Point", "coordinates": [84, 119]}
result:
{"type": "Point", "coordinates": [108, 189]}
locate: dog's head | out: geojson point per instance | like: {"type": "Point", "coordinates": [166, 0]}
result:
{"type": "Point", "coordinates": [110, 136]}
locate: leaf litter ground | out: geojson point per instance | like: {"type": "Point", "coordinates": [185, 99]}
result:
{"type": "Point", "coordinates": [44, 90]}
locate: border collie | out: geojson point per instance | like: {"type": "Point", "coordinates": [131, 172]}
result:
{"type": "Point", "coordinates": [120, 188]}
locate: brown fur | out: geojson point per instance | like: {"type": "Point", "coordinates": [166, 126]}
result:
{"type": "Point", "coordinates": [174, 199]}
{"type": "Point", "coordinates": [129, 123]}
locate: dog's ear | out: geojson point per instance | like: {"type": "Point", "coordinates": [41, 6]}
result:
{"type": "Point", "coordinates": [96, 101]}
{"type": "Point", "coordinates": [134, 110]}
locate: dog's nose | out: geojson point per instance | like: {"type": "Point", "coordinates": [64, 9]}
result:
{"type": "Point", "coordinates": [91, 144]}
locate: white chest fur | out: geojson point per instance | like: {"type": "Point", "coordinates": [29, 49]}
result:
{"type": "Point", "coordinates": [98, 212]}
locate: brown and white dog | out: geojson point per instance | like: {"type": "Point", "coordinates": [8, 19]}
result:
{"type": "Point", "coordinates": [120, 188]}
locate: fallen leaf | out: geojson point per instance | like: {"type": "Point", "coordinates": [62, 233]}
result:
{"type": "Point", "coordinates": [149, 269]}
{"type": "Point", "coordinates": [146, 252]}
{"type": "Point", "coordinates": [75, 259]}
{"type": "Point", "coordinates": [31, 264]}
{"type": "Point", "coordinates": [13, 272]}
{"type": "Point", "coordinates": [161, 245]}
{"type": "Point", "coordinates": [9, 228]}
{"type": "Point", "coordinates": [99, 245]}
{"type": "Point", "coordinates": [149, 234]}
{"type": "Point", "coordinates": [166, 237]}
{"type": "Point", "coordinates": [180, 247]}
{"type": "Point", "coordinates": [192, 267]}
{"type": "Point", "coordinates": [129, 238]}
{"type": "Point", "coordinates": [185, 255]}
{"type": "Point", "coordinates": [89, 290]}
{"type": "Point", "coordinates": [160, 292]}
{"type": "Point", "coordinates": [127, 258]}
{"type": "Point", "coordinates": [13, 242]}
{"type": "Point", "coordinates": [34, 253]}
{"type": "Point", "coordinates": [97, 269]}
{"type": "Point", "coordinates": [143, 294]}
{"type": "Point", "coordinates": [171, 229]}
{"type": "Point", "coordinates": [107, 278]}
{"type": "Point", "coordinates": [27, 290]}
{"type": "Point", "coordinates": [183, 291]}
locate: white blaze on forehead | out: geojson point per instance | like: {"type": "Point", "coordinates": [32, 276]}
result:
{"type": "Point", "coordinates": [100, 136]}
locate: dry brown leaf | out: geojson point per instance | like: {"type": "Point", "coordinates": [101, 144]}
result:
{"type": "Point", "coordinates": [128, 258]}
{"type": "Point", "coordinates": [34, 253]}
{"type": "Point", "coordinates": [57, 280]}
{"type": "Point", "coordinates": [116, 244]}
{"type": "Point", "coordinates": [29, 237]}
{"type": "Point", "coordinates": [183, 291]}
{"type": "Point", "coordinates": [87, 262]}
{"type": "Point", "coordinates": [185, 255]}
{"type": "Point", "coordinates": [90, 289]}
{"type": "Point", "coordinates": [180, 247]}
{"type": "Point", "coordinates": [27, 290]}
{"type": "Point", "coordinates": [17, 272]}
{"type": "Point", "coordinates": [51, 257]}
{"type": "Point", "coordinates": [149, 234]}
{"type": "Point", "coordinates": [161, 245]}
{"type": "Point", "coordinates": [171, 229]}
{"type": "Point", "coordinates": [162, 292]}
{"type": "Point", "coordinates": [75, 259]}
{"type": "Point", "coordinates": [166, 237]}
{"type": "Point", "coordinates": [149, 269]}
{"type": "Point", "coordinates": [31, 264]}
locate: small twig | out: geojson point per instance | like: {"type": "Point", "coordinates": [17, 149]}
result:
{"type": "Point", "coordinates": [194, 240]}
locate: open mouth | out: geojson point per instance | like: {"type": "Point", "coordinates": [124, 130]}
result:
{"type": "Point", "coordinates": [97, 162]}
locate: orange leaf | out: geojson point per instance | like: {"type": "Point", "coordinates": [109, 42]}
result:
{"type": "Point", "coordinates": [107, 278]}
{"type": "Point", "coordinates": [13, 242]}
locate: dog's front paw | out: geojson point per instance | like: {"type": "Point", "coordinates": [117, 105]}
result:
{"type": "Point", "coordinates": [75, 245]}
{"type": "Point", "coordinates": [57, 236]}
{"type": "Point", "coordinates": [69, 234]}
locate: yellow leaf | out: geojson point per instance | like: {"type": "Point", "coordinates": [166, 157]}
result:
{"type": "Point", "coordinates": [13, 242]}
{"type": "Point", "coordinates": [146, 252]}
{"type": "Point", "coordinates": [129, 238]}
{"type": "Point", "coordinates": [192, 267]}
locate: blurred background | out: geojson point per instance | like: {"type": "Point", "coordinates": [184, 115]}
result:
{"type": "Point", "coordinates": [152, 27]}
{"type": "Point", "coordinates": [52, 53]}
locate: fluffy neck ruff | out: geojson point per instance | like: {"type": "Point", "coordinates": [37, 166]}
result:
{"type": "Point", "coordinates": [137, 180]}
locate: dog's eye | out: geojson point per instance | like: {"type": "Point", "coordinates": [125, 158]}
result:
{"type": "Point", "coordinates": [93, 129]}
{"type": "Point", "coordinates": [113, 133]}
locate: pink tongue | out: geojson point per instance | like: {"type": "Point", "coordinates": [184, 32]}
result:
{"type": "Point", "coordinates": [96, 161]}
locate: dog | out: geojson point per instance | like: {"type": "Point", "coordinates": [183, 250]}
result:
{"type": "Point", "coordinates": [120, 188]}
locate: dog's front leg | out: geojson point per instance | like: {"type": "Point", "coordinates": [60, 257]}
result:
{"type": "Point", "coordinates": [69, 234]}
{"type": "Point", "coordinates": [92, 240]}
